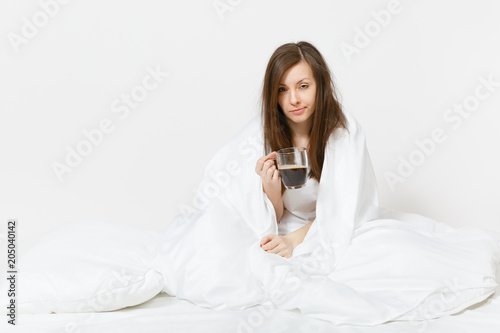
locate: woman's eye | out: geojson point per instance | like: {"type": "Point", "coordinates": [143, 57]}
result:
{"type": "Point", "coordinates": [304, 86]}
{"type": "Point", "coordinates": [281, 89]}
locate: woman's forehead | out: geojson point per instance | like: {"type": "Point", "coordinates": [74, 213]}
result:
{"type": "Point", "coordinates": [298, 72]}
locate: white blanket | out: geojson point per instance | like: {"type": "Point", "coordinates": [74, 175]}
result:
{"type": "Point", "coordinates": [358, 264]}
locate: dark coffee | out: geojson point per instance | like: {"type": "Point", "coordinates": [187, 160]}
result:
{"type": "Point", "coordinates": [293, 176]}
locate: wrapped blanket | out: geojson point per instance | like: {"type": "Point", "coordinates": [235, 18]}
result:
{"type": "Point", "coordinates": [358, 264]}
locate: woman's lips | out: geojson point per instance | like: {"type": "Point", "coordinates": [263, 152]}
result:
{"type": "Point", "coordinates": [299, 111]}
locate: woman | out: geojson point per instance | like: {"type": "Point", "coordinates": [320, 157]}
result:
{"type": "Point", "coordinates": [327, 249]}
{"type": "Point", "coordinates": [299, 108]}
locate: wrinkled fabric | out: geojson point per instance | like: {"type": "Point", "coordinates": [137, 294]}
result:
{"type": "Point", "coordinates": [359, 263]}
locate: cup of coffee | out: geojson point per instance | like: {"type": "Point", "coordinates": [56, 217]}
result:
{"type": "Point", "coordinates": [292, 164]}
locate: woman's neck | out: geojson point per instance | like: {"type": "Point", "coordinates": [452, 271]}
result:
{"type": "Point", "coordinates": [300, 141]}
{"type": "Point", "coordinates": [300, 131]}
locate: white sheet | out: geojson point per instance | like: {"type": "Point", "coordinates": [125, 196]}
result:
{"type": "Point", "coordinates": [169, 314]}
{"type": "Point", "coordinates": [345, 269]}
{"type": "Point", "coordinates": [379, 265]}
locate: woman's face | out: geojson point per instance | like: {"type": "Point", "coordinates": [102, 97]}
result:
{"type": "Point", "coordinates": [297, 94]}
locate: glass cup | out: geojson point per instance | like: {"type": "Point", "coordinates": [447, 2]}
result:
{"type": "Point", "coordinates": [292, 164]}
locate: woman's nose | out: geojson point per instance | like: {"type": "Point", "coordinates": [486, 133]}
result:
{"type": "Point", "coordinates": [294, 98]}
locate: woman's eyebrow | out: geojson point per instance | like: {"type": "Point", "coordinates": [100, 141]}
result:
{"type": "Point", "coordinates": [282, 84]}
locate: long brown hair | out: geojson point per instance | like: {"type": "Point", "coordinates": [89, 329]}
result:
{"type": "Point", "coordinates": [327, 115]}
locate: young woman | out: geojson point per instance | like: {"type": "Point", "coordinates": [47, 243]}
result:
{"type": "Point", "coordinates": [327, 249]}
{"type": "Point", "coordinates": [299, 108]}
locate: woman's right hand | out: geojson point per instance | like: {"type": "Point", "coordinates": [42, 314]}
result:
{"type": "Point", "coordinates": [265, 168]}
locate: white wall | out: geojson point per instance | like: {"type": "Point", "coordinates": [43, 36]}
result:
{"type": "Point", "coordinates": [69, 74]}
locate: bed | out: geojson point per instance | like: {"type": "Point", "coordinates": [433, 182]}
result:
{"type": "Point", "coordinates": [164, 313]}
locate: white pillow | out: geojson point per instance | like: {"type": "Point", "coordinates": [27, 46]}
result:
{"type": "Point", "coordinates": [88, 267]}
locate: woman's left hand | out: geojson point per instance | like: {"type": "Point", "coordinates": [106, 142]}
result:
{"type": "Point", "coordinates": [281, 245]}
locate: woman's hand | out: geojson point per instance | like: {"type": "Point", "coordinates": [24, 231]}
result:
{"type": "Point", "coordinates": [281, 245]}
{"type": "Point", "coordinates": [265, 168]}
{"type": "Point", "coordinates": [271, 182]}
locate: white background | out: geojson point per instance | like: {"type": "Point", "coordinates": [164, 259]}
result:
{"type": "Point", "coordinates": [65, 78]}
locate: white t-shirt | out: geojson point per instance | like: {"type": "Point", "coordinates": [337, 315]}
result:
{"type": "Point", "coordinates": [299, 207]}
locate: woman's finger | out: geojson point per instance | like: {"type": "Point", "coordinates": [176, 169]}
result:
{"type": "Point", "coordinates": [277, 249]}
{"type": "Point", "coordinates": [258, 166]}
{"type": "Point", "coordinates": [270, 171]}
{"type": "Point", "coordinates": [284, 254]}
{"type": "Point", "coordinates": [268, 164]}
{"type": "Point", "coordinates": [271, 245]}
{"type": "Point", "coordinates": [265, 239]}
{"type": "Point", "coordinates": [261, 161]}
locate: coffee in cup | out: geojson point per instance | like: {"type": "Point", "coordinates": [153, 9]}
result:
{"type": "Point", "coordinates": [293, 166]}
